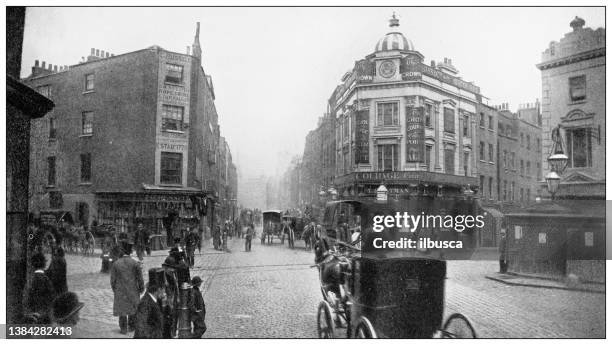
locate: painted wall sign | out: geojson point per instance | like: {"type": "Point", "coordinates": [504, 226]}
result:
{"type": "Point", "coordinates": [415, 135]}
{"type": "Point", "coordinates": [362, 137]}
{"type": "Point", "coordinates": [412, 68]}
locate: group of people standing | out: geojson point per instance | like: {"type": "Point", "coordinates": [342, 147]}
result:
{"type": "Point", "coordinates": [152, 311]}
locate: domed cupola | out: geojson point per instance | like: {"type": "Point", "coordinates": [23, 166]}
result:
{"type": "Point", "coordinates": [394, 40]}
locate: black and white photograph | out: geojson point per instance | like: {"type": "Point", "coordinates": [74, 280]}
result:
{"type": "Point", "coordinates": [305, 172]}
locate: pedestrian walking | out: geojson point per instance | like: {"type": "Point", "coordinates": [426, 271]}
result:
{"type": "Point", "coordinates": [224, 237]}
{"type": "Point", "coordinates": [503, 253]}
{"type": "Point", "coordinates": [39, 294]}
{"type": "Point", "coordinates": [249, 236]}
{"type": "Point", "coordinates": [127, 285]}
{"type": "Point", "coordinates": [198, 308]}
{"type": "Point", "coordinates": [217, 237]}
{"type": "Point", "coordinates": [191, 242]}
{"type": "Point", "coordinates": [140, 241]}
{"type": "Point", "coordinates": [57, 271]}
{"type": "Point", "coordinates": [149, 317]}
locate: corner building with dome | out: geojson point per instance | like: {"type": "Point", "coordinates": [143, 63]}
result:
{"type": "Point", "coordinates": [405, 124]}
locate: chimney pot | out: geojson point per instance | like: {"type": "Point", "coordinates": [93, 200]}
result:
{"type": "Point", "coordinates": [93, 52]}
{"type": "Point", "coordinates": [187, 50]}
{"type": "Point", "coordinates": [55, 68]}
{"type": "Point", "coordinates": [107, 54]}
{"type": "Point", "coordinates": [50, 67]}
{"type": "Point", "coordinates": [433, 63]}
{"type": "Point", "coordinates": [98, 52]}
{"type": "Point", "coordinates": [35, 63]}
{"type": "Point", "coordinates": [102, 53]}
{"type": "Point", "coordinates": [43, 65]}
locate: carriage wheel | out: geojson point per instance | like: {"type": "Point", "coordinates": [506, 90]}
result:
{"type": "Point", "coordinates": [458, 326]}
{"type": "Point", "coordinates": [325, 321]}
{"type": "Point", "coordinates": [90, 244]}
{"type": "Point", "coordinates": [364, 329]}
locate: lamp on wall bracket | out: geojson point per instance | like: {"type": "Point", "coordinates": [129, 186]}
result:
{"type": "Point", "coordinates": [557, 159]}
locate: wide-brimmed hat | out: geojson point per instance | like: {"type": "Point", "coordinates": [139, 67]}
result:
{"type": "Point", "coordinates": [65, 305]}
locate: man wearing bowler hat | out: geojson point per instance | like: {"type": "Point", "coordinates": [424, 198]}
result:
{"type": "Point", "coordinates": [127, 284]}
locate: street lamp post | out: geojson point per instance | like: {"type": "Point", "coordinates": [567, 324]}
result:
{"type": "Point", "coordinates": [557, 162]}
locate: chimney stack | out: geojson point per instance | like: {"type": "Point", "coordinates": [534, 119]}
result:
{"type": "Point", "coordinates": [433, 64]}
{"type": "Point", "coordinates": [107, 54]}
{"type": "Point", "coordinates": [55, 68]}
{"type": "Point", "coordinates": [187, 50]}
{"type": "Point", "coordinates": [35, 63]}
{"type": "Point", "coordinates": [93, 52]}
{"type": "Point", "coordinates": [102, 53]}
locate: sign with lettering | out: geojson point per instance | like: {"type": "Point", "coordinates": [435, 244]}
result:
{"type": "Point", "coordinates": [405, 177]}
{"type": "Point", "coordinates": [172, 145]}
{"type": "Point", "coordinates": [362, 137]}
{"type": "Point", "coordinates": [413, 69]}
{"type": "Point", "coordinates": [415, 134]}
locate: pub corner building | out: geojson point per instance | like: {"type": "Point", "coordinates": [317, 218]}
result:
{"type": "Point", "coordinates": [133, 138]}
{"type": "Point", "coordinates": [410, 127]}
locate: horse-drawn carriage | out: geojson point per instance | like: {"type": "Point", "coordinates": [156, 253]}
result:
{"type": "Point", "coordinates": [272, 226]}
{"type": "Point", "coordinates": [58, 228]}
{"type": "Point", "coordinates": [375, 292]}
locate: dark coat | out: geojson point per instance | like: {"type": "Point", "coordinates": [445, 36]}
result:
{"type": "Point", "coordinates": [149, 319]}
{"type": "Point", "coordinates": [57, 274]}
{"type": "Point", "coordinates": [39, 295]}
{"type": "Point", "coordinates": [127, 284]}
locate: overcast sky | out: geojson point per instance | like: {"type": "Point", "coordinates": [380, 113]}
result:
{"type": "Point", "coordinates": [274, 68]}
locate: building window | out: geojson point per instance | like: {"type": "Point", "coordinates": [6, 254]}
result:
{"type": "Point", "coordinates": [89, 82]}
{"type": "Point", "coordinates": [86, 168]}
{"type": "Point", "coordinates": [466, 162]}
{"type": "Point", "coordinates": [52, 129]}
{"type": "Point", "coordinates": [505, 159]}
{"type": "Point", "coordinates": [579, 148]}
{"type": "Point", "coordinates": [528, 195]}
{"type": "Point", "coordinates": [528, 169]}
{"type": "Point", "coordinates": [538, 147]}
{"type": "Point", "coordinates": [490, 122]}
{"type": "Point", "coordinates": [345, 127]}
{"type": "Point", "coordinates": [449, 120]}
{"type": "Point", "coordinates": [428, 157]}
{"type": "Point", "coordinates": [428, 114]}
{"type": "Point", "coordinates": [528, 142]}
{"type": "Point", "coordinates": [44, 90]}
{"type": "Point", "coordinates": [522, 168]}
{"type": "Point", "coordinates": [491, 153]}
{"type": "Point", "coordinates": [482, 120]}
{"type": "Point", "coordinates": [449, 161]}
{"type": "Point", "coordinates": [51, 171]}
{"type": "Point", "coordinates": [491, 187]}
{"type": "Point", "coordinates": [482, 179]}
{"type": "Point", "coordinates": [171, 168]}
{"type": "Point", "coordinates": [539, 172]}
{"type": "Point", "coordinates": [87, 123]}
{"type": "Point", "coordinates": [577, 88]}
{"type": "Point", "coordinates": [521, 195]}
{"type": "Point", "coordinates": [512, 191]}
{"type": "Point", "coordinates": [466, 126]}
{"type": "Point", "coordinates": [387, 114]}
{"type": "Point", "coordinates": [172, 117]}
{"type": "Point", "coordinates": [505, 190]}
{"type": "Point", "coordinates": [174, 73]}
{"type": "Point", "coordinates": [513, 160]}
{"type": "Point", "coordinates": [522, 140]}
{"type": "Point", "coordinates": [482, 151]}
{"type": "Point", "coordinates": [388, 157]}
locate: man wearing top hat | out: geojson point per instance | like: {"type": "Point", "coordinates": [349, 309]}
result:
{"type": "Point", "coordinates": [149, 317]}
{"type": "Point", "coordinates": [127, 284]}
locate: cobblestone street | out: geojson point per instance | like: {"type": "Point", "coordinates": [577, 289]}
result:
{"type": "Point", "coordinates": [272, 292]}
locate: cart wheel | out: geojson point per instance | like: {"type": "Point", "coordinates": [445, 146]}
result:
{"type": "Point", "coordinates": [364, 329]}
{"type": "Point", "coordinates": [325, 321]}
{"type": "Point", "coordinates": [458, 326]}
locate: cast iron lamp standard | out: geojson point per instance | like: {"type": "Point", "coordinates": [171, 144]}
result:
{"type": "Point", "coordinates": [557, 162]}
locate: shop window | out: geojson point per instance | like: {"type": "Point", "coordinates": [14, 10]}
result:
{"type": "Point", "coordinates": [87, 122]}
{"type": "Point", "coordinates": [89, 82]}
{"type": "Point", "coordinates": [172, 118]}
{"type": "Point", "coordinates": [51, 171]}
{"type": "Point", "coordinates": [171, 168]}
{"type": "Point", "coordinates": [579, 148]}
{"type": "Point", "coordinates": [174, 73]}
{"type": "Point", "coordinates": [577, 88]}
{"type": "Point", "coordinates": [388, 157]}
{"type": "Point", "coordinates": [449, 120]}
{"type": "Point", "coordinates": [387, 114]}
{"type": "Point", "coordinates": [86, 168]}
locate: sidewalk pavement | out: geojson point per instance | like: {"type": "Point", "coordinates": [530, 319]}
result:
{"type": "Point", "coordinates": [547, 283]}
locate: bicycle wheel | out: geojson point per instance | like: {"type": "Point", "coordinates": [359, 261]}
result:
{"type": "Point", "coordinates": [325, 321]}
{"type": "Point", "coordinates": [458, 326]}
{"type": "Point", "coordinates": [364, 329]}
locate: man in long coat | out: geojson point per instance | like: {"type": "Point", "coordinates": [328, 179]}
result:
{"type": "Point", "coordinates": [127, 284]}
{"type": "Point", "coordinates": [149, 317]}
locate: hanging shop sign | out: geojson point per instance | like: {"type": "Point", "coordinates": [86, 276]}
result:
{"type": "Point", "coordinates": [415, 135]}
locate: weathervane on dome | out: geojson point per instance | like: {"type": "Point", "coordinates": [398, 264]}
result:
{"type": "Point", "coordinates": [393, 22]}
